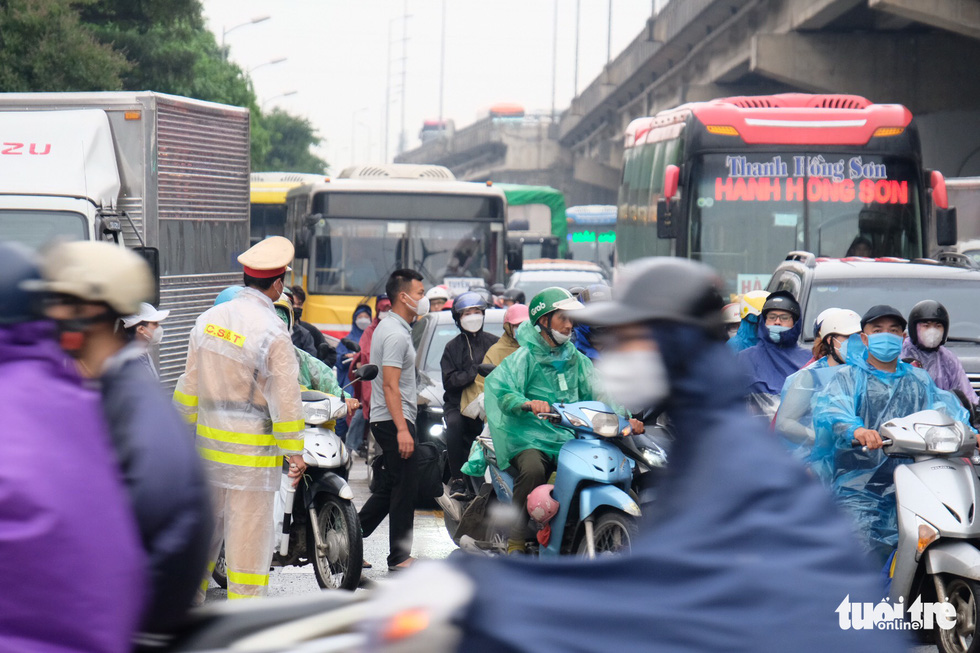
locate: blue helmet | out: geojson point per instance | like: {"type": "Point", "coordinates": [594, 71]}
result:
{"type": "Point", "coordinates": [17, 265]}
{"type": "Point", "coordinates": [227, 294]}
{"type": "Point", "coordinates": [468, 300]}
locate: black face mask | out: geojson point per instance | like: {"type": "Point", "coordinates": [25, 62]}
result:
{"type": "Point", "coordinates": [71, 333]}
{"type": "Point", "coordinates": [298, 312]}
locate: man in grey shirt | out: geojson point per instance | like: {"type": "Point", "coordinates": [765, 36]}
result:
{"type": "Point", "coordinates": [394, 405]}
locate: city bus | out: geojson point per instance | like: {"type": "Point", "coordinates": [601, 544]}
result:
{"type": "Point", "coordinates": [738, 182]}
{"type": "Point", "coordinates": [352, 232]}
{"type": "Point", "coordinates": [268, 201]}
{"type": "Point", "coordinates": [592, 234]}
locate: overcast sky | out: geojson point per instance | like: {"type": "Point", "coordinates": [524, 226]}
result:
{"type": "Point", "coordinates": [336, 50]}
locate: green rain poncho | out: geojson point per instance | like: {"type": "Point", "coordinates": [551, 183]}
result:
{"type": "Point", "coordinates": [534, 372]}
{"type": "Point", "coordinates": [314, 374]}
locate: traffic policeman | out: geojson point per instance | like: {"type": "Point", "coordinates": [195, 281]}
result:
{"type": "Point", "coordinates": [239, 388]}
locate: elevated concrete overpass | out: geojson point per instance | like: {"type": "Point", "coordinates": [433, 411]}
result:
{"type": "Point", "coordinates": [923, 54]}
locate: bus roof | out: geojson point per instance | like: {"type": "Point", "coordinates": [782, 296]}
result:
{"type": "Point", "coordinates": [387, 185]}
{"type": "Point", "coordinates": [783, 119]}
{"type": "Point", "coordinates": [271, 187]}
{"type": "Point", "coordinates": [592, 214]}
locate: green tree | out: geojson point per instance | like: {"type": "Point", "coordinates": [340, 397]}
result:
{"type": "Point", "coordinates": [44, 46]}
{"type": "Point", "coordinates": [291, 138]}
{"type": "Point", "coordinates": [172, 51]}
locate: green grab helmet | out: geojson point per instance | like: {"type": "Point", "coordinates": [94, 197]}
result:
{"type": "Point", "coordinates": [550, 300]}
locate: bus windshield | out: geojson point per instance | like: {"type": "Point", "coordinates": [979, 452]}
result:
{"type": "Point", "coordinates": [355, 256]}
{"type": "Point", "coordinates": [37, 228]}
{"type": "Point", "coordinates": [749, 210]}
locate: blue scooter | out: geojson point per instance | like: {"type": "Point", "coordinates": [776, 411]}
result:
{"type": "Point", "coordinates": [594, 482]}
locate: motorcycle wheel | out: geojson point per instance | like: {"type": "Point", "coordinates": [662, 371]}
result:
{"type": "Point", "coordinates": [220, 573]}
{"type": "Point", "coordinates": [613, 533]}
{"type": "Point", "coordinates": [340, 566]}
{"type": "Point", "coordinates": [964, 595]}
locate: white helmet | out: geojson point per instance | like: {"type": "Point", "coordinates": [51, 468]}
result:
{"type": "Point", "coordinates": [751, 303]}
{"type": "Point", "coordinates": [437, 292]}
{"type": "Point", "coordinates": [839, 321]}
{"type": "Point", "coordinates": [730, 314]}
{"type": "Point", "coordinates": [96, 271]}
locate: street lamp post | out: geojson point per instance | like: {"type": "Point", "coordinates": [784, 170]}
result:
{"type": "Point", "coordinates": [276, 97]}
{"type": "Point", "coordinates": [353, 133]}
{"type": "Point", "coordinates": [267, 63]}
{"type": "Point", "coordinates": [226, 32]}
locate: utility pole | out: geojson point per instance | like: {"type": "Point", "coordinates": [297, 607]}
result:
{"type": "Point", "coordinates": [402, 139]}
{"type": "Point", "coordinates": [554, 61]}
{"type": "Point", "coordinates": [578, 13]}
{"type": "Point", "coordinates": [442, 62]}
{"type": "Point", "coordinates": [609, 35]}
{"type": "Point", "coordinates": [387, 94]}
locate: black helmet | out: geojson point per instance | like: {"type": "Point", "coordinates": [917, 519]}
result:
{"type": "Point", "coordinates": [597, 292]}
{"type": "Point", "coordinates": [662, 289]}
{"type": "Point", "coordinates": [497, 289]}
{"type": "Point", "coordinates": [17, 265]}
{"type": "Point", "coordinates": [782, 300]}
{"type": "Point", "coordinates": [515, 295]}
{"type": "Point", "coordinates": [928, 310]}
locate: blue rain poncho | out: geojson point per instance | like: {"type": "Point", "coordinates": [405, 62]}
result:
{"type": "Point", "coordinates": [534, 372]}
{"type": "Point", "coordinates": [741, 552]}
{"type": "Point", "coordinates": [767, 364]}
{"type": "Point", "coordinates": [861, 396]}
{"type": "Point", "coordinates": [582, 336]}
{"type": "Point", "coordinates": [944, 367]}
{"type": "Point", "coordinates": [746, 336]}
{"type": "Point", "coordinates": [794, 419]}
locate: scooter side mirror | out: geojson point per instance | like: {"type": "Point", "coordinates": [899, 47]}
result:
{"type": "Point", "coordinates": [366, 373]}
{"type": "Point", "coordinates": [484, 369]}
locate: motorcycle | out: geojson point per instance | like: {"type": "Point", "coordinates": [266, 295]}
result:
{"type": "Point", "coordinates": [326, 530]}
{"type": "Point", "coordinates": [938, 554]}
{"type": "Point", "coordinates": [597, 484]}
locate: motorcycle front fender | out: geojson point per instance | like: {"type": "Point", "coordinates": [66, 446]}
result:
{"type": "Point", "coordinates": [329, 483]}
{"type": "Point", "coordinates": [593, 497]}
{"type": "Point", "coordinates": [951, 557]}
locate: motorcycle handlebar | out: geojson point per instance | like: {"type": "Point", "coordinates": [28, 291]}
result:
{"type": "Point", "coordinates": [884, 442]}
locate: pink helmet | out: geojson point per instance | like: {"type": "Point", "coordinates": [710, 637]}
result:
{"type": "Point", "coordinates": [541, 505]}
{"type": "Point", "coordinates": [516, 314]}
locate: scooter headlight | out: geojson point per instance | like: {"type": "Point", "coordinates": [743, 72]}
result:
{"type": "Point", "coordinates": [436, 430]}
{"type": "Point", "coordinates": [604, 424]}
{"type": "Point", "coordinates": [654, 457]}
{"type": "Point", "coordinates": [943, 439]}
{"type": "Point", "coordinates": [316, 413]}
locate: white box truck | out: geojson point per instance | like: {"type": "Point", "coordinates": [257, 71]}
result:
{"type": "Point", "coordinates": [163, 174]}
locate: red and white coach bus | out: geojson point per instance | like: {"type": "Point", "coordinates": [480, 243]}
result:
{"type": "Point", "coordinates": [738, 182]}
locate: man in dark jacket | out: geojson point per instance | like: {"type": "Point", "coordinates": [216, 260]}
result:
{"type": "Point", "coordinates": [298, 297]}
{"type": "Point", "coordinates": [463, 354]}
{"type": "Point", "coordinates": [93, 285]}
{"type": "Point", "coordinates": [743, 552]}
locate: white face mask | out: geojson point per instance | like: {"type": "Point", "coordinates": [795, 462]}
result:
{"type": "Point", "coordinates": [930, 337]}
{"type": "Point", "coordinates": [362, 322]}
{"type": "Point", "coordinates": [471, 323]}
{"type": "Point", "coordinates": [157, 336]}
{"type": "Point", "coordinates": [421, 307]}
{"type": "Point", "coordinates": [559, 337]}
{"type": "Point", "coordinates": [635, 379]}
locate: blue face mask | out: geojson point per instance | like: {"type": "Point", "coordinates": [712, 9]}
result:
{"type": "Point", "coordinates": [775, 330]}
{"type": "Point", "coordinates": [885, 346]}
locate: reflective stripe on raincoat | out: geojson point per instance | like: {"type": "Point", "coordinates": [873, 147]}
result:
{"type": "Point", "coordinates": [534, 372]}
{"type": "Point", "coordinates": [240, 386]}
{"type": "Point", "coordinates": [861, 396]}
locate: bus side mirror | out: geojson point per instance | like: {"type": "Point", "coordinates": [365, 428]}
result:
{"type": "Point", "coordinates": [672, 177]}
{"type": "Point", "coordinates": [304, 235]}
{"type": "Point", "coordinates": [515, 255]}
{"type": "Point", "coordinates": [665, 219]}
{"type": "Point", "coordinates": [152, 257]}
{"type": "Point", "coordinates": [937, 182]}
{"type": "Point", "coordinates": [946, 226]}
